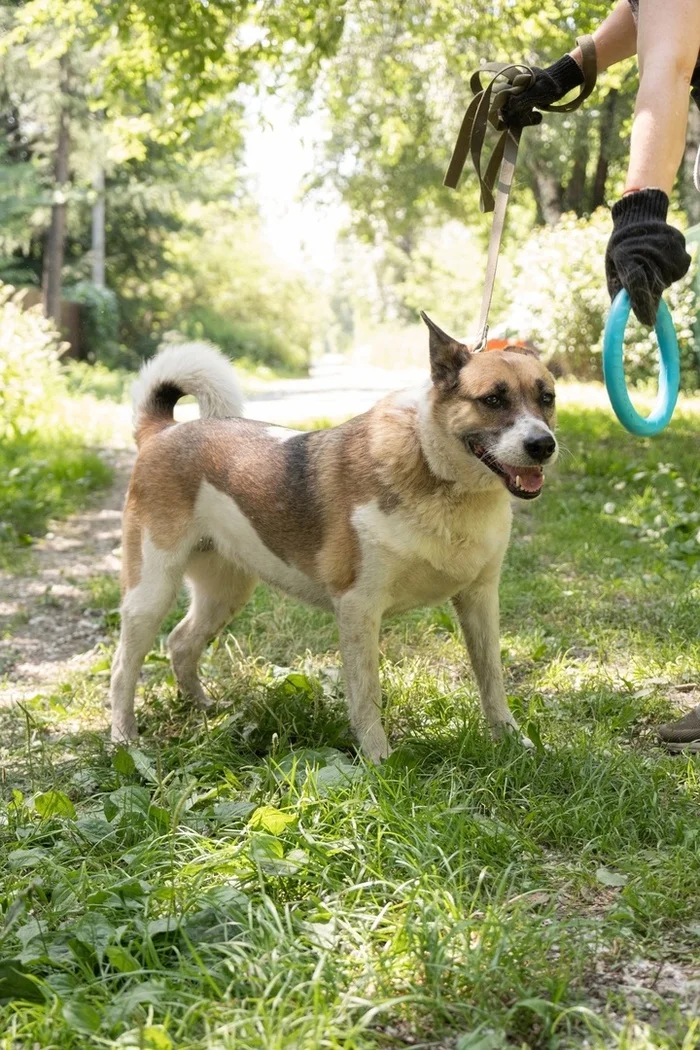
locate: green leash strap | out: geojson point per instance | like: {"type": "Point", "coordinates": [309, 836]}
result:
{"type": "Point", "coordinates": [485, 108]}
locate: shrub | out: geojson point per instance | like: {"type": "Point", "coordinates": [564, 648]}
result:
{"type": "Point", "coordinates": [44, 469]}
{"type": "Point", "coordinates": [99, 325]}
{"type": "Point", "coordinates": [228, 288]}
{"type": "Point", "coordinates": [30, 374]}
{"type": "Point", "coordinates": [254, 343]}
{"type": "Point", "coordinates": [559, 300]}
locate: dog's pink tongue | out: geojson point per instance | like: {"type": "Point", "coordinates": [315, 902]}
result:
{"type": "Point", "coordinates": [531, 479]}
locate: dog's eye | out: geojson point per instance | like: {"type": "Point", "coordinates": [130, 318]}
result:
{"type": "Point", "coordinates": [493, 401]}
{"type": "Point", "coordinates": [546, 397]}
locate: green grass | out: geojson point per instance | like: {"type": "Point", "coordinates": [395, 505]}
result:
{"type": "Point", "coordinates": [246, 881]}
{"type": "Point", "coordinates": [42, 477]}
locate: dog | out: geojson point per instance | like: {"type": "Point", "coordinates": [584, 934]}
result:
{"type": "Point", "coordinates": [406, 505]}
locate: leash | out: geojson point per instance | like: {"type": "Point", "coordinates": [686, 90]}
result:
{"type": "Point", "coordinates": [506, 80]}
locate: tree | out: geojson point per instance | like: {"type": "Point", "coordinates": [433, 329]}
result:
{"type": "Point", "coordinates": [55, 242]}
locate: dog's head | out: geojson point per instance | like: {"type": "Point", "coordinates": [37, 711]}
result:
{"type": "Point", "coordinates": [491, 415]}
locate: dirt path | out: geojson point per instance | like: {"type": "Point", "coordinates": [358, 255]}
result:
{"type": "Point", "coordinates": [47, 629]}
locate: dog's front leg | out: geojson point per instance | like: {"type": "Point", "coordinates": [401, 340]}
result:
{"type": "Point", "coordinates": [358, 626]}
{"type": "Point", "coordinates": [478, 614]}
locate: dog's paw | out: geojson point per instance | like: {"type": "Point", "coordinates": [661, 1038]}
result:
{"type": "Point", "coordinates": [193, 692]}
{"type": "Point", "coordinates": [511, 730]}
{"type": "Point", "coordinates": [375, 746]}
{"type": "Point", "coordinates": [125, 732]}
{"type": "Point", "coordinates": [502, 730]}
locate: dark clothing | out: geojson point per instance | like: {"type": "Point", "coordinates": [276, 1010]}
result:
{"type": "Point", "coordinates": [645, 255]}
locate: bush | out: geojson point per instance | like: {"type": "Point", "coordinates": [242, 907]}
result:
{"type": "Point", "coordinates": [99, 325]}
{"type": "Point", "coordinates": [560, 302]}
{"type": "Point", "coordinates": [44, 469]}
{"type": "Point", "coordinates": [243, 341]}
{"type": "Point", "coordinates": [228, 288]}
{"type": "Point", "coordinates": [30, 374]}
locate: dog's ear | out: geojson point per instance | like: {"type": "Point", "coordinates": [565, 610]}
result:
{"type": "Point", "coordinates": [447, 355]}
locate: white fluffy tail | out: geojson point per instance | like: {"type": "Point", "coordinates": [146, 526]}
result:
{"type": "Point", "coordinates": [198, 369]}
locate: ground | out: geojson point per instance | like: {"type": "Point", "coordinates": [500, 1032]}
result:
{"type": "Point", "coordinates": [247, 881]}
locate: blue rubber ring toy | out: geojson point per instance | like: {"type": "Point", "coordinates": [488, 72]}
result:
{"type": "Point", "coordinates": [614, 371]}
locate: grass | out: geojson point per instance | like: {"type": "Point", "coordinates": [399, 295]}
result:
{"type": "Point", "coordinates": [42, 477]}
{"type": "Point", "coordinates": [245, 881]}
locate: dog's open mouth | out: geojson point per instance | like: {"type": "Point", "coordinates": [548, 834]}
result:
{"type": "Point", "coordinates": [523, 482]}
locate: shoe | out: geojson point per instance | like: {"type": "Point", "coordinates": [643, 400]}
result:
{"type": "Point", "coordinates": [683, 735]}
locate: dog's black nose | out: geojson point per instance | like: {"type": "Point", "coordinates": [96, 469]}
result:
{"type": "Point", "coordinates": [540, 448]}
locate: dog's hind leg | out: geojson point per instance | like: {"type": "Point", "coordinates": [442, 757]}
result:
{"type": "Point", "coordinates": [219, 589]}
{"type": "Point", "coordinates": [477, 609]}
{"type": "Point", "coordinates": [358, 626]}
{"type": "Point", "coordinates": [144, 606]}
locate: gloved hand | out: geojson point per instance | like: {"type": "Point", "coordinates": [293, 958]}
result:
{"type": "Point", "coordinates": [550, 85]}
{"type": "Point", "coordinates": [644, 255]}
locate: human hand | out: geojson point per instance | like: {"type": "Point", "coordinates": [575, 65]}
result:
{"type": "Point", "coordinates": [551, 84]}
{"type": "Point", "coordinates": [644, 255]}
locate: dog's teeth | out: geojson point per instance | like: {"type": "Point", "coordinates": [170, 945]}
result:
{"type": "Point", "coordinates": [543, 475]}
{"type": "Point", "coordinates": [517, 480]}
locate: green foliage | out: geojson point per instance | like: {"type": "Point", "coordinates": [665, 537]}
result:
{"type": "Point", "coordinates": [29, 371]}
{"type": "Point", "coordinates": [559, 300]}
{"type": "Point", "coordinates": [98, 380]}
{"type": "Point", "coordinates": [45, 471]}
{"type": "Point", "coordinates": [232, 291]}
{"type": "Point", "coordinates": [99, 322]}
{"type": "Point", "coordinates": [43, 475]}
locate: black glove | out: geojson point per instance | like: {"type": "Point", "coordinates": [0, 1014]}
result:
{"type": "Point", "coordinates": [550, 85]}
{"type": "Point", "coordinates": [644, 255]}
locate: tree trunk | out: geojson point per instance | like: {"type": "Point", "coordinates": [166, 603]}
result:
{"type": "Point", "coordinates": [98, 229]}
{"type": "Point", "coordinates": [606, 129]}
{"type": "Point", "coordinates": [576, 190]}
{"type": "Point", "coordinates": [548, 194]}
{"type": "Point", "coordinates": [55, 241]}
{"type": "Point", "coordinates": [691, 197]}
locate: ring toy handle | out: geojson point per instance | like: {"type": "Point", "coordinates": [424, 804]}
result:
{"type": "Point", "coordinates": [614, 372]}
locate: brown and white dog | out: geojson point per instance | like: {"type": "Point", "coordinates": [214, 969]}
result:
{"type": "Point", "coordinates": [404, 506]}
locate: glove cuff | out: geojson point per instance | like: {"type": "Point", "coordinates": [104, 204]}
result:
{"type": "Point", "coordinates": [566, 74]}
{"type": "Point", "coordinates": [640, 206]}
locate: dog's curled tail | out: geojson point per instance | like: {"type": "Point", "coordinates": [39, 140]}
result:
{"type": "Point", "coordinates": [189, 368]}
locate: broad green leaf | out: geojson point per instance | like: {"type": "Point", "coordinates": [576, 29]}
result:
{"type": "Point", "coordinates": [54, 804]}
{"type": "Point", "coordinates": [610, 878]}
{"type": "Point", "coordinates": [144, 765]}
{"type": "Point", "coordinates": [25, 858]}
{"type": "Point", "coordinates": [227, 898]}
{"type": "Point", "coordinates": [94, 931]}
{"type": "Point", "coordinates": [296, 682]}
{"type": "Point", "coordinates": [532, 731]}
{"type": "Point", "coordinates": [15, 984]}
{"type": "Point", "coordinates": [166, 924]}
{"type": "Point", "coordinates": [82, 1016]}
{"type": "Point", "coordinates": [228, 812]}
{"type": "Point", "coordinates": [153, 1037]}
{"type": "Point", "coordinates": [95, 829]}
{"type": "Point", "coordinates": [272, 820]}
{"type": "Point", "coordinates": [132, 800]}
{"type": "Point", "coordinates": [123, 762]}
{"type": "Point", "coordinates": [121, 959]}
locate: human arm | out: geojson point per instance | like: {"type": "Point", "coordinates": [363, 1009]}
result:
{"type": "Point", "coordinates": [668, 41]}
{"type": "Point", "coordinates": [645, 255]}
{"type": "Point", "coordinates": [615, 39]}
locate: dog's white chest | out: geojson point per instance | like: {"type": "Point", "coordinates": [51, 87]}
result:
{"type": "Point", "coordinates": [418, 564]}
